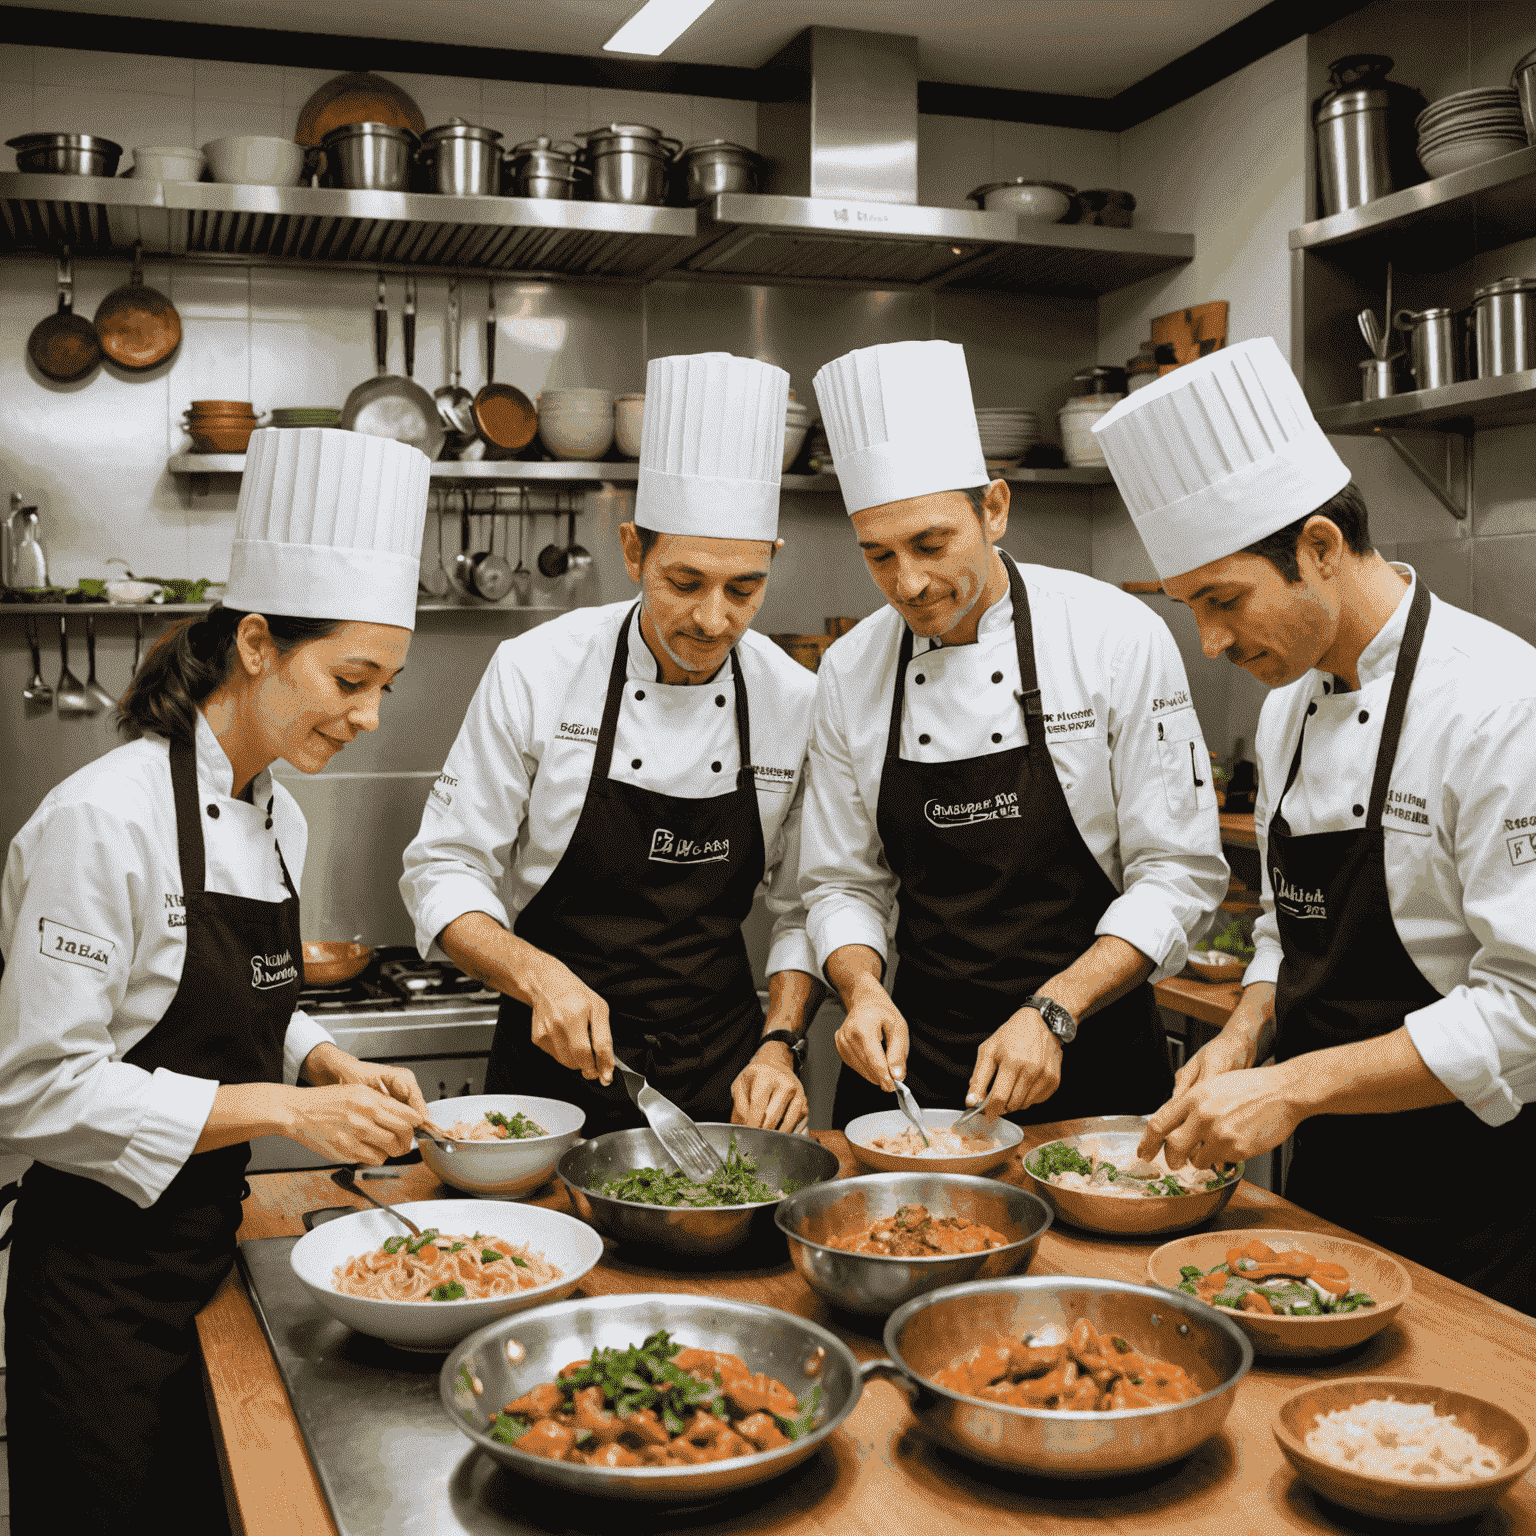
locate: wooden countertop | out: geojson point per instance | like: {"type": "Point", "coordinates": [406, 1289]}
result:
{"type": "Point", "coordinates": [1237, 827]}
{"type": "Point", "coordinates": [1211, 1002]}
{"type": "Point", "coordinates": [887, 1476]}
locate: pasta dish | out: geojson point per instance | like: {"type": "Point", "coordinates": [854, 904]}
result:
{"type": "Point", "coordinates": [1386, 1438]}
{"type": "Point", "coordinates": [941, 1143]}
{"type": "Point", "coordinates": [440, 1266]}
{"type": "Point", "coordinates": [495, 1127]}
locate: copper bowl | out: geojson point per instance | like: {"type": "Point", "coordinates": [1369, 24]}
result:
{"type": "Point", "coordinates": [222, 408]}
{"type": "Point", "coordinates": [1212, 965]}
{"type": "Point", "coordinates": [209, 437]}
{"type": "Point", "coordinates": [327, 963]}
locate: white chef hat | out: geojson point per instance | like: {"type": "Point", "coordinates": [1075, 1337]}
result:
{"type": "Point", "coordinates": [1217, 455]}
{"type": "Point", "coordinates": [712, 446]}
{"type": "Point", "coordinates": [900, 422]}
{"type": "Point", "coordinates": [329, 526]}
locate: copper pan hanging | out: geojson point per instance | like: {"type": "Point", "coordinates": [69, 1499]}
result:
{"type": "Point", "coordinates": [137, 325]}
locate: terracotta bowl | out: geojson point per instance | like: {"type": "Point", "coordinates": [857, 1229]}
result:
{"type": "Point", "coordinates": [1212, 965]}
{"type": "Point", "coordinates": [212, 437]}
{"type": "Point", "coordinates": [1398, 1498]}
{"type": "Point", "coordinates": [326, 964]}
{"type": "Point", "coordinates": [1369, 1268]}
{"type": "Point", "coordinates": [222, 408]}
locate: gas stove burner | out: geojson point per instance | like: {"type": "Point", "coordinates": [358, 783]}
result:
{"type": "Point", "coordinates": [421, 981]}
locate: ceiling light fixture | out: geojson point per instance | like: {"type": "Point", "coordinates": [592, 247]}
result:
{"type": "Point", "coordinates": [656, 26]}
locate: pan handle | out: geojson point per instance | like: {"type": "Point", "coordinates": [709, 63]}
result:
{"type": "Point", "coordinates": [409, 325]}
{"type": "Point", "coordinates": [886, 1369]}
{"type": "Point", "coordinates": [453, 329]}
{"type": "Point", "coordinates": [381, 329]}
{"type": "Point", "coordinates": [66, 284]}
{"type": "Point", "coordinates": [490, 334]}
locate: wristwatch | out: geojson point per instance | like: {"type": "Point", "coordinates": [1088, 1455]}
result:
{"type": "Point", "coordinates": [796, 1044]}
{"type": "Point", "coordinates": [1057, 1019]}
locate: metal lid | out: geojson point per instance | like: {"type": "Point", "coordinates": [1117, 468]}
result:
{"type": "Point", "coordinates": [1021, 181]}
{"type": "Point", "coordinates": [1416, 315]}
{"type": "Point", "coordinates": [718, 147]}
{"type": "Point", "coordinates": [1348, 103]}
{"type": "Point", "coordinates": [1505, 285]}
{"type": "Point", "coordinates": [369, 130]}
{"type": "Point", "coordinates": [622, 131]}
{"type": "Point", "coordinates": [457, 128]}
{"type": "Point", "coordinates": [547, 145]}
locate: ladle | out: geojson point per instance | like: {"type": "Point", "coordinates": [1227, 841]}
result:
{"type": "Point", "coordinates": [72, 697]}
{"type": "Point", "coordinates": [577, 559]}
{"type": "Point", "coordinates": [438, 583]}
{"type": "Point", "coordinates": [455, 404]}
{"type": "Point", "coordinates": [37, 691]}
{"type": "Point", "coordinates": [98, 695]}
{"type": "Point", "coordinates": [552, 559]}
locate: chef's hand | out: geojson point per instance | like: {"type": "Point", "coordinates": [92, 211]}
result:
{"type": "Point", "coordinates": [570, 1021]}
{"type": "Point", "coordinates": [873, 1038]}
{"type": "Point", "coordinates": [767, 1092]}
{"type": "Point", "coordinates": [352, 1123]}
{"type": "Point", "coordinates": [1238, 1046]}
{"type": "Point", "coordinates": [1225, 1119]}
{"type": "Point", "coordinates": [1018, 1065]}
{"type": "Point", "coordinates": [328, 1065]}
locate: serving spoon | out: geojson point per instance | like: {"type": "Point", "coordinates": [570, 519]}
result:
{"type": "Point", "coordinates": [346, 1178]}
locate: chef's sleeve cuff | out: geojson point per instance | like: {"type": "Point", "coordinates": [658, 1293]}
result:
{"type": "Point", "coordinates": [450, 898]}
{"type": "Point", "coordinates": [836, 921]}
{"type": "Point", "coordinates": [791, 951]}
{"type": "Point", "coordinates": [176, 1108]}
{"type": "Point", "coordinates": [1458, 1051]}
{"type": "Point", "coordinates": [1141, 917]}
{"type": "Point", "coordinates": [1265, 965]}
{"type": "Point", "coordinates": [302, 1037]}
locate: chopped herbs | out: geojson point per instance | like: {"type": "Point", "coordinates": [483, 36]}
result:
{"type": "Point", "coordinates": [507, 1428]}
{"type": "Point", "coordinates": [416, 1244]}
{"type": "Point", "coordinates": [521, 1263]}
{"type": "Point", "coordinates": [518, 1128]}
{"type": "Point", "coordinates": [449, 1290]}
{"type": "Point", "coordinates": [489, 1256]}
{"type": "Point", "coordinates": [1058, 1157]}
{"type": "Point", "coordinates": [736, 1183]}
{"type": "Point", "coordinates": [393, 1245]}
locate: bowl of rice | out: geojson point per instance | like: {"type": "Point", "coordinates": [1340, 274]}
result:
{"type": "Point", "coordinates": [505, 1145]}
{"type": "Point", "coordinates": [1399, 1450]}
{"type": "Point", "coordinates": [887, 1142]}
{"type": "Point", "coordinates": [486, 1261]}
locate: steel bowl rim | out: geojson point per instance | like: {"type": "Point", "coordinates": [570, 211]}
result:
{"type": "Point", "coordinates": [1039, 1282]}
{"type": "Point", "coordinates": [824, 1337]}
{"type": "Point", "coordinates": [924, 1258]}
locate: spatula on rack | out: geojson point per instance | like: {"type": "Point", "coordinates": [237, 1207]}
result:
{"type": "Point", "coordinates": [682, 1139]}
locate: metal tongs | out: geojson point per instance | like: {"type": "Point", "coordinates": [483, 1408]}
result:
{"type": "Point", "coordinates": [677, 1133]}
{"type": "Point", "coordinates": [910, 1110]}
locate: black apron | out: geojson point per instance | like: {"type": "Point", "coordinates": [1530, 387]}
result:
{"type": "Point", "coordinates": [646, 907]}
{"type": "Point", "coordinates": [998, 894]}
{"type": "Point", "coordinates": [1344, 977]}
{"type": "Point", "coordinates": [106, 1412]}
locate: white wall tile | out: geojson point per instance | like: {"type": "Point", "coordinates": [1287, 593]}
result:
{"type": "Point", "coordinates": [717, 117]}
{"type": "Point", "coordinates": [230, 119]}
{"type": "Point", "coordinates": [1085, 158]}
{"type": "Point", "coordinates": [568, 101]}
{"type": "Point", "coordinates": [954, 154]}
{"type": "Point", "coordinates": [300, 84]}
{"type": "Point", "coordinates": [312, 336]}
{"type": "Point", "coordinates": [1506, 493]}
{"type": "Point", "coordinates": [565, 129]}
{"type": "Point", "coordinates": [1019, 149]}
{"type": "Point", "coordinates": [216, 80]}
{"type": "Point", "coordinates": [16, 117]}
{"type": "Point", "coordinates": [513, 98]}
{"type": "Point", "coordinates": [17, 62]}
{"type": "Point", "coordinates": [672, 114]}
{"type": "Point", "coordinates": [213, 363]}
{"type": "Point", "coordinates": [86, 69]}
{"type": "Point", "coordinates": [211, 293]}
{"type": "Point", "coordinates": [442, 96]}
{"type": "Point", "coordinates": [1500, 34]}
{"type": "Point", "coordinates": [126, 117]}
{"type": "Point", "coordinates": [514, 130]}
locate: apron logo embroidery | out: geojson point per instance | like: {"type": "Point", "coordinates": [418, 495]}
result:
{"type": "Point", "coordinates": [1180, 700]}
{"type": "Point", "coordinates": [1407, 812]}
{"type": "Point", "coordinates": [1075, 722]}
{"type": "Point", "coordinates": [1522, 850]}
{"type": "Point", "coordinates": [443, 787]}
{"type": "Point", "coordinates": [269, 971]}
{"type": "Point", "coordinates": [779, 780]}
{"type": "Point", "coordinates": [668, 849]}
{"type": "Point", "coordinates": [571, 730]}
{"type": "Point", "coordinates": [1294, 900]}
{"type": "Point", "coordinates": [74, 946]}
{"type": "Point", "coordinates": [967, 813]}
{"type": "Point", "coordinates": [175, 910]}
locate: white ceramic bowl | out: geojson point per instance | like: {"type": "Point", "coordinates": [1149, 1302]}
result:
{"type": "Point", "coordinates": [250, 160]}
{"type": "Point", "coordinates": [628, 418]}
{"type": "Point", "coordinates": [1464, 152]}
{"type": "Point", "coordinates": [502, 1170]}
{"type": "Point", "coordinates": [579, 439]}
{"type": "Point", "coordinates": [570, 1245]}
{"type": "Point", "coordinates": [551, 398]}
{"type": "Point", "coordinates": [168, 162]}
{"type": "Point", "coordinates": [130, 591]}
{"type": "Point", "coordinates": [891, 1122]}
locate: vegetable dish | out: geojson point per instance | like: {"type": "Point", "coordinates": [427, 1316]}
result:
{"type": "Point", "coordinates": [496, 1127]}
{"type": "Point", "coordinates": [1255, 1278]}
{"type": "Point", "coordinates": [1068, 1167]}
{"type": "Point", "coordinates": [736, 1183]}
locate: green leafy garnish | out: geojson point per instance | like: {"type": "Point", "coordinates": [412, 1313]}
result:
{"type": "Point", "coordinates": [489, 1255]}
{"type": "Point", "coordinates": [518, 1128]}
{"type": "Point", "coordinates": [736, 1183]}
{"type": "Point", "coordinates": [805, 1421]}
{"type": "Point", "coordinates": [449, 1290]}
{"type": "Point", "coordinates": [1058, 1157]}
{"type": "Point", "coordinates": [521, 1263]}
{"type": "Point", "coordinates": [1234, 939]}
{"type": "Point", "coordinates": [456, 1248]}
{"type": "Point", "coordinates": [393, 1245]}
{"type": "Point", "coordinates": [416, 1244]}
{"type": "Point", "coordinates": [1120, 1343]}
{"type": "Point", "coordinates": [507, 1428]}
{"type": "Point", "coordinates": [1190, 1272]}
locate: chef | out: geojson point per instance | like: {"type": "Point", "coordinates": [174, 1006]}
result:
{"type": "Point", "coordinates": [1008, 755]}
{"type": "Point", "coordinates": [149, 921]}
{"type": "Point", "coordinates": [626, 780]}
{"type": "Point", "coordinates": [1395, 973]}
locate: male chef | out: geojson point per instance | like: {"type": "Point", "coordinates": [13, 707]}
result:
{"type": "Point", "coordinates": [625, 781]}
{"type": "Point", "coordinates": [1395, 973]}
{"type": "Point", "coordinates": [1008, 755]}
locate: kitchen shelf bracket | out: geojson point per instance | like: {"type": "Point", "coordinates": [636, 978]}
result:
{"type": "Point", "coordinates": [1437, 487]}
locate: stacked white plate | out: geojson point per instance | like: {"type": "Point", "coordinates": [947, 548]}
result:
{"type": "Point", "coordinates": [1470, 127]}
{"type": "Point", "coordinates": [1007, 432]}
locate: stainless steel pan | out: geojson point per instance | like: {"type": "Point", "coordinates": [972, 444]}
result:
{"type": "Point", "coordinates": [387, 405]}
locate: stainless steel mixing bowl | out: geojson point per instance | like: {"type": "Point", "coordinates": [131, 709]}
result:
{"type": "Point", "coordinates": [507, 1358]}
{"type": "Point", "coordinates": [1120, 1215]}
{"type": "Point", "coordinates": [783, 1162]}
{"type": "Point", "coordinates": [874, 1285]}
{"type": "Point", "coordinates": [933, 1331]}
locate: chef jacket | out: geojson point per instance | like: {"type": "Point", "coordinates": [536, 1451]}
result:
{"type": "Point", "coordinates": [1122, 734]}
{"type": "Point", "coordinates": [92, 926]}
{"type": "Point", "coordinates": [1460, 822]}
{"type": "Point", "coordinates": [499, 818]}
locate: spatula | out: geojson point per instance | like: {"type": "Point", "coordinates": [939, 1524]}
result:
{"type": "Point", "coordinates": [682, 1139]}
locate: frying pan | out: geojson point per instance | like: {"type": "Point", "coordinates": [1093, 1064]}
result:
{"type": "Point", "coordinates": [490, 574]}
{"type": "Point", "coordinates": [64, 347]}
{"type": "Point", "coordinates": [328, 962]}
{"type": "Point", "coordinates": [138, 327]}
{"type": "Point", "coordinates": [504, 415]}
{"type": "Point", "coordinates": [387, 405]}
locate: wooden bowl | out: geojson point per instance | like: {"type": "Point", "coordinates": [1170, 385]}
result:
{"type": "Point", "coordinates": [1212, 965]}
{"type": "Point", "coordinates": [325, 964]}
{"type": "Point", "coordinates": [1399, 1498]}
{"type": "Point", "coordinates": [208, 438]}
{"type": "Point", "coordinates": [1370, 1270]}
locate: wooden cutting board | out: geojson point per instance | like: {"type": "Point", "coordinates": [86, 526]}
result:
{"type": "Point", "coordinates": [1192, 332]}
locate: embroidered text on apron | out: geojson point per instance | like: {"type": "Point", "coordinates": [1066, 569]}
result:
{"type": "Point", "coordinates": [998, 894]}
{"type": "Point", "coordinates": [646, 907]}
{"type": "Point", "coordinates": [104, 1370]}
{"type": "Point", "coordinates": [1344, 977]}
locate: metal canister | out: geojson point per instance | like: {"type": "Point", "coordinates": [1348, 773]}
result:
{"type": "Point", "coordinates": [718, 166]}
{"type": "Point", "coordinates": [373, 157]}
{"type": "Point", "coordinates": [460, 160]}
{"type": "Point", "coordinates": [629, 163]}
{"type": "Point", "coordinates": [1434, 345]}
{"type": "Point", "coordinates": [1354, 161]}
{"type": "Point", "coordinates": [1506, 326]}
{"type": "Point", "coordinates": [543, 167]}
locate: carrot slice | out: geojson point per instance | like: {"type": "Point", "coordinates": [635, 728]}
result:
{"type": "Point", "coordinates": [1252, 1301]}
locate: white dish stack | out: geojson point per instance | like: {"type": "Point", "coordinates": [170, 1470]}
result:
{"type": "Point", "coordinates": [1470, 127]}
{"type": "Point", "coordinates": [1077, 417]}
{"type": "Point", "coordinates": [1007, 434]}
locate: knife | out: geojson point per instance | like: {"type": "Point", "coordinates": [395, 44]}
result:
{"type": "Point", "coordinates": [910, 1110]}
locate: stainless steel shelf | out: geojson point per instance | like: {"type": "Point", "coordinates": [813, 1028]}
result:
{"type": "Point", "coordinates": [474, 472]}
{"type": "Point", "coordinates": [1472, 405]}
{"type": "Point", "coordinates": [1435, 225]}
{"type": "Point", "coordinates": [175, 610]}
{"type": "Point", "coordinates": [1076, 261]}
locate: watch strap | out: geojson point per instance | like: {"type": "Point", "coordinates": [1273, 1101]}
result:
{"type": "Point", "coordinates": [1058, 1020]}
{"type": "Point", "coordinates": [796, 1043]}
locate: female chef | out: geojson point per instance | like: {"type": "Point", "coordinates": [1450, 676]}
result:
{"type": "Point", "coordinates": [625, 780]}
{"type": "Point", "coordinates": [1395, 970]}
{"type": "Point", "coordinates": [150, 928]}
{"type": "Point", "coordinates": [1012, 749]}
